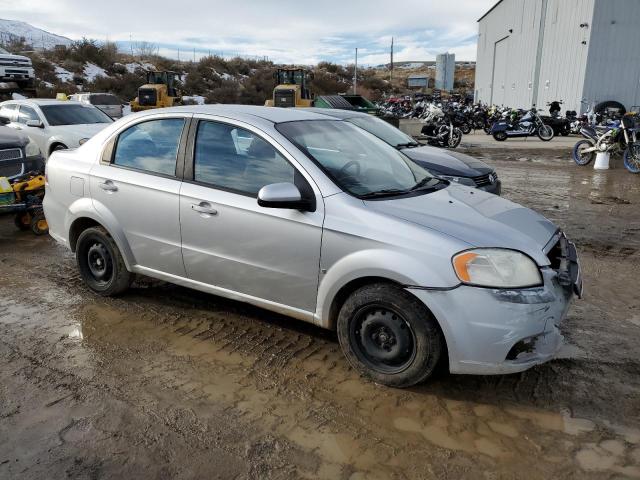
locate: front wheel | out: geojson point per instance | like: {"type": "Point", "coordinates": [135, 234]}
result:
{"type": "Point", "coordinates": [545, 133]}
{"type": "Point", "coordinates": [465, 128]}
{"type": "Point", "coordinates": [580, 156]}
{"type": "Point", "coordinates": [631, 158]}
{"type": "Point", "coordinates": [389, 336]}
{"type": "Point", "coordinates": [455, 138]}
{"type": "Point", "coordinates": [100, 263]}
{"type": "Point", "coordinates": [500, 136]}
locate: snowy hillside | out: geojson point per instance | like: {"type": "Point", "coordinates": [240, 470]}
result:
{"type": "Point", "coordinates": [39, 39]}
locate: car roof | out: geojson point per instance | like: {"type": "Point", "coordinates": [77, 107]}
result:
{"type": "Point", "coordinates": [335, 112]}
{"type": "Point", "coordinates": [39, 101]}
{"type": "Point", "coordinates": [271, 114]}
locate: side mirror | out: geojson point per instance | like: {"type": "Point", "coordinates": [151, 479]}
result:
{"type": "Point", "coordinates": [35, 123]}
{"type": "Point", "coordinates": [4, 121]}
{"type": "Point", "coordinates": [282, 195]}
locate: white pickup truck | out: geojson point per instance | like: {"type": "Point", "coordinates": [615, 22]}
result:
{"type": "Point", "coordinates": [16, 72]}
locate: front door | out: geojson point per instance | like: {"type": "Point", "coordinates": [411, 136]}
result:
{"type": "Point", "coordinates": [137, 186]}
{"type": "Point", "coordinates": [230, 242]}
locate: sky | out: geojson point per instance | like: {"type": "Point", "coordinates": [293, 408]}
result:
{"type": "Point", "coordinates": [285, 31]}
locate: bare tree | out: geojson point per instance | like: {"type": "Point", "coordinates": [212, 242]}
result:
{"type": "Point", "coordinates": [146, 49]}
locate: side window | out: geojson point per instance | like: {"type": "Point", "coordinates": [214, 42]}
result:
{"type": "Point", "coordinates": [8, 111]}
{"type": "Point", "coordinates": [236, 159]}
{"type": "Point", "coordinates": [150, 146]}
{"type": "Point", "coordinates": [27, 113]}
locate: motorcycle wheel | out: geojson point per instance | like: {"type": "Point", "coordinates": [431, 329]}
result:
{"type": "Point", "coordinates": [545, 133]}
{"type": "Point", "coordinates": [500, 136]}
{"type": "Point", "coordinates": [632, 158]}
{"type": "Point", "coordinates": [486, 129]}
{"type": "Point", "coordinates": [583, 158]}
{"type": "Point", "coordinates": [455, 139]}
{"type": "Point", "coordinates": [466, 128]}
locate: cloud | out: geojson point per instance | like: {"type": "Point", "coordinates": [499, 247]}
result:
{"type": "Point", "coordinates": [286, 31]}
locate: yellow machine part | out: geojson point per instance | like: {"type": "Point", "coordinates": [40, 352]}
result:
{"type": "Point", "coordinates": [299, 101]}
{"type": "Point", "coordinates": [163, 99]}
{"type": "Point", "coordinates": [33, 183]}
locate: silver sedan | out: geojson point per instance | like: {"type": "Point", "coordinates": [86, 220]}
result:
{"type": "Point", "coordinates": [317, 219]}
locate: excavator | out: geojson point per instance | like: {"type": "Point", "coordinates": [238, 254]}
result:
{"type": "Point", "coordinates": [159, 91]}
{"type": "Point", "coordinates": [291, 89]}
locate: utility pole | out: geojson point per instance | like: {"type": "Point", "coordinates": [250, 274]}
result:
{"type": "Point", "coordinates": [131, 44]}
{"type": "Point", "coordinates": [355, 75]}
{"type": "Point", "coordinates": [194, 54]}
{"type": "Point", "coordinates": [391, 64]}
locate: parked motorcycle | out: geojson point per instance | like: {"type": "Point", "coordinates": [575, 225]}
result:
{"type": "Point", "coordinates": [528, 125]}
{"type": "Point", "coordinates": [560, 125]}
{"type": "Point", "coordinates": [442, 133]}
{"type": "Point", "coordinates": [618, 136]}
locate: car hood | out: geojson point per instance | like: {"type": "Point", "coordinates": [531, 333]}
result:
{"type": "Point", "coordinates": [11, 58]}
{"type": "Point", "coordinates": [10, 138]}
{"type": "Point", "coordinates": [447, 162]}
{"type": "Point", "coordinates": [81, 131]}
{"type": "Point", "coordinates": [475, 217]}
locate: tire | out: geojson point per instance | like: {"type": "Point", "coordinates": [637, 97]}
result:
{"type": "Point", "coordinates": [456, 138]}
{"type": "Point", "coordinates": [603, 106]}
{"type": "Point", "coordinates": [58, 147]}
{"type": "Point", "coordinates": [39, 224]}
{"type": "Point", "coordinates": [465, 128]}
{"type": "Point", "coordinates": [631, 158]}
{"type": "Point", "coordinates": [580, 158]}
{"type": "Point", "coordinates": [545, 133]}
{"type": "Point", "coordinates": [101, 264]}
{"type": "Point", "coordinates": [500, 136]}
{"type": "Point", "coordinates": [389, 336]}
{"type": "Point", "coordinates": [22, 221]}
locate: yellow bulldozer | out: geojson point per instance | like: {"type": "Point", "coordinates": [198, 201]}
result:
{"type": "Point", "coordinates": [159, 91]}
{"type": "Point", "coordinates": [291, 89]}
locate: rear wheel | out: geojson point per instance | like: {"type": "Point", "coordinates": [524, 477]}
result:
{"type": "Point", "coordinates": [545, 133]}
{"type": "Point", "coordinates": [455, 138]}
{"type": "Point", "coordinates": [500, 136]}
{"type": "Point", "coordinates": [466, 128]}
{"type": "Point", "coordinates": [23, 220]}
{"type": "Point", "coordinates": [389, 336]}
{"type": "Point", "coordinates": [100, 263]}
{"type": "Point", "coordinates": [580, 156]}
{"type": "Point", "coordinates": [632, 158]}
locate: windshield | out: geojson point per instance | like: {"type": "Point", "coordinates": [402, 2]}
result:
{"type": "Point", "coordinates": [355, 160]}
{"type": "Point", "coordinates": [73, 114]}
{"type": "Point", "coordinates": [383, 130]}
{"type": "Point", "coordinates": [104, 99]}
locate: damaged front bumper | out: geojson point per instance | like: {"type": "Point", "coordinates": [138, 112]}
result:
{"type": "Point", "coordinates": [496, 331]}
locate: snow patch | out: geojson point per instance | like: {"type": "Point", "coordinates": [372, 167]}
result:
{"type": "Point", "coordinates": [199, 99]}
{"type": "Point", "coordinates": [91, 71]}
{"type": "Point", "coordinates": [63, 74]}
{"type": "Point", "coordinates": [132, 67]}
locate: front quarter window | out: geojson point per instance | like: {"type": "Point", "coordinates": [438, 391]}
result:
{"type": "Point", "coordinates": [357, 161]}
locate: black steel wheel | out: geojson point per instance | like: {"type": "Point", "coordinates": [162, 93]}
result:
{"type": "Point", "coordinates": [100, 263]}
{"type": "Point", "coordinates": [388, 335]}
{"type": "Point", "coordinates": [500, 136]}
{"type": "Point", "coordinates": [382, 339]}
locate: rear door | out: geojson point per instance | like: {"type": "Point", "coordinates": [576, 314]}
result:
{"type": "Point", "coordinates": [137, 183]}
{"type": "Point", "coordinates": [231, 242]}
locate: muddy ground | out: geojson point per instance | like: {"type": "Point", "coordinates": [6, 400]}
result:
{"type": "Point", "coordinates": [165, 382]}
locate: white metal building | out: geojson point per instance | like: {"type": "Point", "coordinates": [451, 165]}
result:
{"type": "Point", "coordinates": [445, 70]}
{"type": "Point", "coordinates": [537, 51]}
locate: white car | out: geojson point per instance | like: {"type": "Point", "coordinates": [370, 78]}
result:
{"type": "Point", "coordinates": [54, 124]}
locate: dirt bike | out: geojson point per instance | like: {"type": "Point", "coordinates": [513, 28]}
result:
{"type": "Point", "coordinates": [618, 136]}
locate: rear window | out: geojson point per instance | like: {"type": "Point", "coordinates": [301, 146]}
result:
{"type": "Point", "coordinates": [73, 114]}
{"type": "Point", "coordinates": [104, 99]}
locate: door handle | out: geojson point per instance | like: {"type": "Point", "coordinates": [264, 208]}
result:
{"type": "Point", "coordinates": [108, 186]}
{"type": "Point", "coordinates": [204, 207]}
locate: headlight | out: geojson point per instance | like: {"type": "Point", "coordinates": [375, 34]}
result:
{"type": "Point", "coordinates": [83, 141]}
{"type": "Point", "coordinates": [31, 149]}
{"type": "Point", "coordinates": [496, 267]}
{"type": "Point", "coordinates": [461, 180]}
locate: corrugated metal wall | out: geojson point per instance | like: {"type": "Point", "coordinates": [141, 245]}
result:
{"type": "Point", "coordinates": [564, 56]}
{"type": "Point", "coordinates": [613, 68]}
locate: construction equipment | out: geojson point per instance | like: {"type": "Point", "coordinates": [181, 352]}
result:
{"type": "Point", "coordinates": [22, 198]}
{"type": "Point", "coordinates": [291, 89]}
{"type": "Point", "coordinates": [159, 91]}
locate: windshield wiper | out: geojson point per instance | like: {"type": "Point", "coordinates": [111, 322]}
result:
{"type": "Point", "coordinates": [423, 183]}
{"type": "Point", "coordinates": [385, 193]}
{"type": "Point", "coordinates": [407, 145]}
